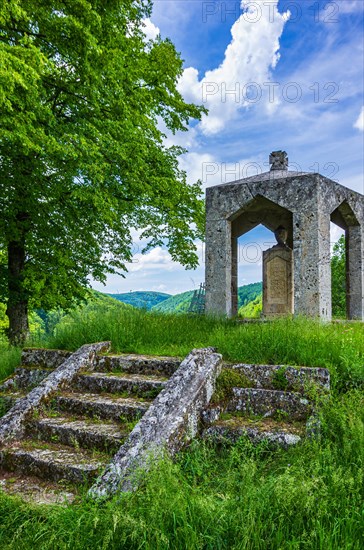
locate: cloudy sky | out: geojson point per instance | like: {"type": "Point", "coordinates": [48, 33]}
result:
{"type": "Point", "coordinates": [274, 74]}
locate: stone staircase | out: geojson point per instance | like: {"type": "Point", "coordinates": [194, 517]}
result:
{"type": "Point", "coordinates": [70, 438]}
{"type": "Point", "coordinates": [274, 403]}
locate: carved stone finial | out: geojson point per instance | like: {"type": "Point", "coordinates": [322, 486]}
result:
{"type": "Point", "coordinates": [278, 160]}
{"type": "Point", "coordinates": [281, 235]}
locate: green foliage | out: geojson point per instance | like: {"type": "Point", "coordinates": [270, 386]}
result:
{"type": "Point", "coordinates": [142, 299]}
{"type": "Point", "coordinates": [9, 358]}
{"type": "Point", "coordinates": [229, 379]}
{"type": "Point", "coordinates": [252, 309]}
{"type": "Point", "coordinates": [338, 278]}
{"type": "Point", "coordinates": [36, 323]}
{"type": "Point", "coordinates": [280, 381]}
{"type": "Point", "coordinates": [248, 293]}
{"type": "Point", "coordinates": [82, 159]}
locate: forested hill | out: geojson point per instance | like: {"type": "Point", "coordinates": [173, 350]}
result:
{"type": "Point", "coordinates": [179, 303]}
{"type": "Point", "coordinates": [248, 293]}
{"type": "Point", "coordinates": [141, 299]}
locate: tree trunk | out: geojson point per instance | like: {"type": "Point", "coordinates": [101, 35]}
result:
{"type": "Point", "coordinates": [17, 306]}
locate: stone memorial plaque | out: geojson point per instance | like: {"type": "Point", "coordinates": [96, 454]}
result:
{"type": "Point", "coordinates": [277, 281]}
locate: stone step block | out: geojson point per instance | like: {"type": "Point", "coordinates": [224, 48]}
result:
{"type": "Point", "coordinates": [274, 433]}
{"type": "Point", "coordinates": [44, 358]}
{"type": "Point", "coordinates": [35, 490]}
{"type": "Point", "coordinates": [280, 377]}
{"type": "Point", "coordinates": [52, 462]}
{"type": "Point", "coordinates": [136, 384]}
{"type": "Point", "coordinates": [137, 364]}
{"type": "Point", "coordinates": [269, 403]}
{"type": "Point", "coordinates": [103, 436]}
{"type": "Point", "coordinates": [101, 406]}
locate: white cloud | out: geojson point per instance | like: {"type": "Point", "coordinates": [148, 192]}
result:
{"type": "Point", "coordinates": [249, 58]}
{"type": "Point", "coordinates": [359, 124]}
{"type": "Point", "coordinates": [200, 166]}
{"type": "Point", "coordinates": [156, 259]}
{"type": "Point", "coordinates": [150, 30]}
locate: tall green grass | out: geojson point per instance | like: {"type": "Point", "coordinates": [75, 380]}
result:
{"type": "Point", "coordinates": [338, 347]}
{"type": "Point", "coordinates": [9, 358]}
{"type": "Point", "coordinates": [244, 497]}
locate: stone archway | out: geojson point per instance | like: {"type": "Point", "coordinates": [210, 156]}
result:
{"type": "Point", "coordinates": [259, 210]}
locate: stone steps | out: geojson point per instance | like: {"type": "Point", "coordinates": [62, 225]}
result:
{"type": "Point", "coordinates": [103, 436]}
{"type": "Point", "coordinates": [138, 364]}
{"type": "Point", "coordinates": [275, 433]}
{"type": "Point", "coordinates": [73, 434]}
{"type": "Point", "coordinates": [132, 384]}
{"type": "Point", "coordinates": [269, 403]}
{"type": "Point", "coordinates": [72, 438]}
{"type": "Point", "coordinates": [107, 406]}
{"type": "Point", "coordinates": [274, 406]}
{"type": "Point", "coordinates": [282, 377]}
{"type": "Point", "coordinates": [132, 363]}
{"type": "Point", "coordinates": [51, 462]}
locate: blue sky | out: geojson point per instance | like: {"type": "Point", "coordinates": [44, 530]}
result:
{"type": "Point", "coordinates": [274, 75]}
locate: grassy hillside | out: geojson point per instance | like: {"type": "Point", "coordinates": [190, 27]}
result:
{"type": "Point", "coordinates": [253, 309]}
{"type": "Point", "coordinates": [248, 293]}
{"type": "Point", "coordinates": [143, 300]}
{"type": "Point", "coordinates": [230, 498]}
{"type": "Point", "coordinates": [179, 303]}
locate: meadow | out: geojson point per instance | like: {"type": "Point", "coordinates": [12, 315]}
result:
{"type": "Point", "coordinates": [238, 497]}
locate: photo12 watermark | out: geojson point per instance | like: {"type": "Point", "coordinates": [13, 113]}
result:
{"type": "Point", "coordinates": [253, 11]}
{"type": "Point", "coordinates": [223, 172]}
{"type": "Point", "coordinates": [271, 92]}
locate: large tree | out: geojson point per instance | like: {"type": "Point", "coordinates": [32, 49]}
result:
{"type": "Point", "coordinates": [83, 98]}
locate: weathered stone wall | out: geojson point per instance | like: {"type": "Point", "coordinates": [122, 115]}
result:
{"type": "Point", "coordinates": [170, 421]}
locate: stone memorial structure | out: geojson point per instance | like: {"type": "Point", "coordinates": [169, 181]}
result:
{"type": "Point", "coordinates": [304, 204]}
{"type": "Point", "coordinates": [278, 277]}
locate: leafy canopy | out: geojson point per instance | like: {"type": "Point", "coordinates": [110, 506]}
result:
{"type": "Point", "coordinates": [83, 98]}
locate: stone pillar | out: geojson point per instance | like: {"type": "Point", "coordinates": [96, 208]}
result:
{"type": "Point", "coordinates": [218, 268]}
{"type": "Point", "coordinates": [234, 276]}
{"type": "Point", "coordinates": [311, 253]}
{"type": "Point", "coordinates": [354, 272]}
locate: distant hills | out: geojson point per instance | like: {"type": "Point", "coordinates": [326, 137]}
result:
{"type": "Point", "coordinates": [179, 303]}
{"type": "Point", "coordinates": [143, 300]}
